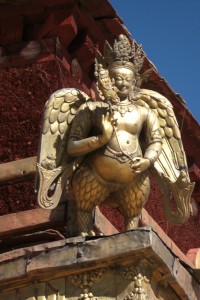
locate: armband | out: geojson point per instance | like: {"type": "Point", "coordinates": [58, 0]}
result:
{"type": "Point", "coordinates": [152, 155]}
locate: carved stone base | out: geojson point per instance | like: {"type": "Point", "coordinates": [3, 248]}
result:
{"type": "Point", "coordinates": [134, 265]}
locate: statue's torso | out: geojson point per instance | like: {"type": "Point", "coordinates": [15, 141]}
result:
{"type": "Point", "coordinates": [109, 162]}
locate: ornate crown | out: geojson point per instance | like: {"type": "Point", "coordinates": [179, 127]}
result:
{"type": "Point", "coordinates": [119, 56]}
{"type": "Point", "coordinates": [122, 52]}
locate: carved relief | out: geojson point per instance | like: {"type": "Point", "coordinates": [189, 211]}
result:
{"type": "Point", "coordinates": [139, 291]}
{"type": "Point", "coordinates": [128, 272]}
{"type": "Point", "coordinates": [133, 274]}
{"type": "Point", "coordinates": [85, 281]}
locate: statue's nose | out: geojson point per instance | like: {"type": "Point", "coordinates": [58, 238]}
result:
{"type": "Point", "coordinates": [124, 82]}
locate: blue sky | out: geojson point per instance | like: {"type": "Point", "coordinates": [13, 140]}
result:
{"type": "Point", "coordinates": [170, 34]}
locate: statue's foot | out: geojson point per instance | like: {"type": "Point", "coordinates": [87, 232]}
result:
{"type": "Point", "coordinates": [131, 223]}
{"type": "Point", "coordinates": [98, 233]}
{"type": "Point", "coordinates": [91, 233]}
{"type": "Point", "coordinates": [84, 233]}
{"type": "Point", "coordinates": [86, 224]}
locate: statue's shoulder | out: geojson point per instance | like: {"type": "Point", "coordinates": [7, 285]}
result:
{"type": "Point", "coordinates": [93, 105]}
{"type": "Point", "coordinates": [142, 108]}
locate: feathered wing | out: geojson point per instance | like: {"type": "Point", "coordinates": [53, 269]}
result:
{"type": "Point", "coordinates": [170, 169]}
{"type": "Point", "coordinates": [54, 165]}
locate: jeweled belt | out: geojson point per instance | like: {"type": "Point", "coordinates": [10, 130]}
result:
{"type": "Point", "coordinates": [119, 155]}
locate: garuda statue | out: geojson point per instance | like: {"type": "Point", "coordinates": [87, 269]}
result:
{"type": "Point", "coordinates": [93, 150]}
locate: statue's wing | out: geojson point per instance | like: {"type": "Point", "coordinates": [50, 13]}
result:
{"type": "Point", "coordinates": [54, 165]}
{"type": "Point", "coordinates": [170, 169]}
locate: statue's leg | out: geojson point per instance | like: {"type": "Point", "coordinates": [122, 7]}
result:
{"type": "Point", "coordinates": [85, 222]}
{"type": "Point", "coordinates": [132, 199]}
{"type": "Point", "coordinates": [88, 192]}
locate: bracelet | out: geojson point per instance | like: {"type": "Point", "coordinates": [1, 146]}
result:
{"type": "Point", "coordinates": [152, 155]}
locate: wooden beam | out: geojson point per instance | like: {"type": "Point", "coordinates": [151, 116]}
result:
{"type": "Point", "coordinates": [31, 220]}
{"type": "Point", "coordinates": [18, 170]}
{"type": "Point", "coordinates": [60, 24]}
{"type": "Point", "coordinates": [11, 30]}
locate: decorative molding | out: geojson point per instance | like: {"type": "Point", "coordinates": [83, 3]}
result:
{"type": "Point", "coordinates": [85, 281]}
{"type": "Point", "coordinates": [132, 273]}
{"type": "Point", "coordinates": [76, 70]}
{"type": "Point", "coordinates": [128, 273]}
{"type": "Point", "coordinates": [140, 289]}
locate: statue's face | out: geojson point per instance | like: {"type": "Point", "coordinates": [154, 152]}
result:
{"type": "Point", "coordinates": [124, 81]}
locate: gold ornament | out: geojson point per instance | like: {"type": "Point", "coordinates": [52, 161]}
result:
{"type": "Point", "coordinates": [85, 281]}
{"type": "Point", "coordinates": [94, 149]}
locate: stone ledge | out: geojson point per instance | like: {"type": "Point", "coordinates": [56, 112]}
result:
{"type": "Point", "coordinates": [147, 220]}
{"type": "Point", "coordinates": [76, 255]}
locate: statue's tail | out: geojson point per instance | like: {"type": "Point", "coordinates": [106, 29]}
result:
{"type": "Point", "coordinates": [50, 185]}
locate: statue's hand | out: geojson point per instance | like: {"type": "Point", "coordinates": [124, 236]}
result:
{"type": "Point", "coordinates": [107, 128]}
{"type": "Point", "coordinates": [140, 164]}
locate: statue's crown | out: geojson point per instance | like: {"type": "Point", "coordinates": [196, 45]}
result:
{"type": "Point", "coordinates": [122, 52]}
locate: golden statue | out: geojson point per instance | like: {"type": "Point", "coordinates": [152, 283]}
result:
{"type": "Point", "coordinates": [93, 150]}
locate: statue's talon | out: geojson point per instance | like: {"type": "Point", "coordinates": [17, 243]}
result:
{"type": "Point", "coordinates": [84, 233]}
{"type": "Point", "coordinates": [99, 233]}
{"type": "Point", "coordinates": [92, 233]}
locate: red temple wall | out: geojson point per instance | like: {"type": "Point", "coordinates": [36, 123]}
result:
{"type": "Point", "coordinates": [23, 93]}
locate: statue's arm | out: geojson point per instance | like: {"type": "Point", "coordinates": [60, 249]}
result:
{"type": "Point", "coordinates": [153, 138]}
{"type": "Point", "coordinates": [79, 143]}
{"type": "Point", "coordinates": [78, 147]}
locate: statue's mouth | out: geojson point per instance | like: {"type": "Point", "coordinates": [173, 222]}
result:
{"type": "Point", "coordinates": [124, 90]}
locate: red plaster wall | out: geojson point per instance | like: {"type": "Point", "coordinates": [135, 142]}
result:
{"type": "Point", "coordinates": [23, 93]}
